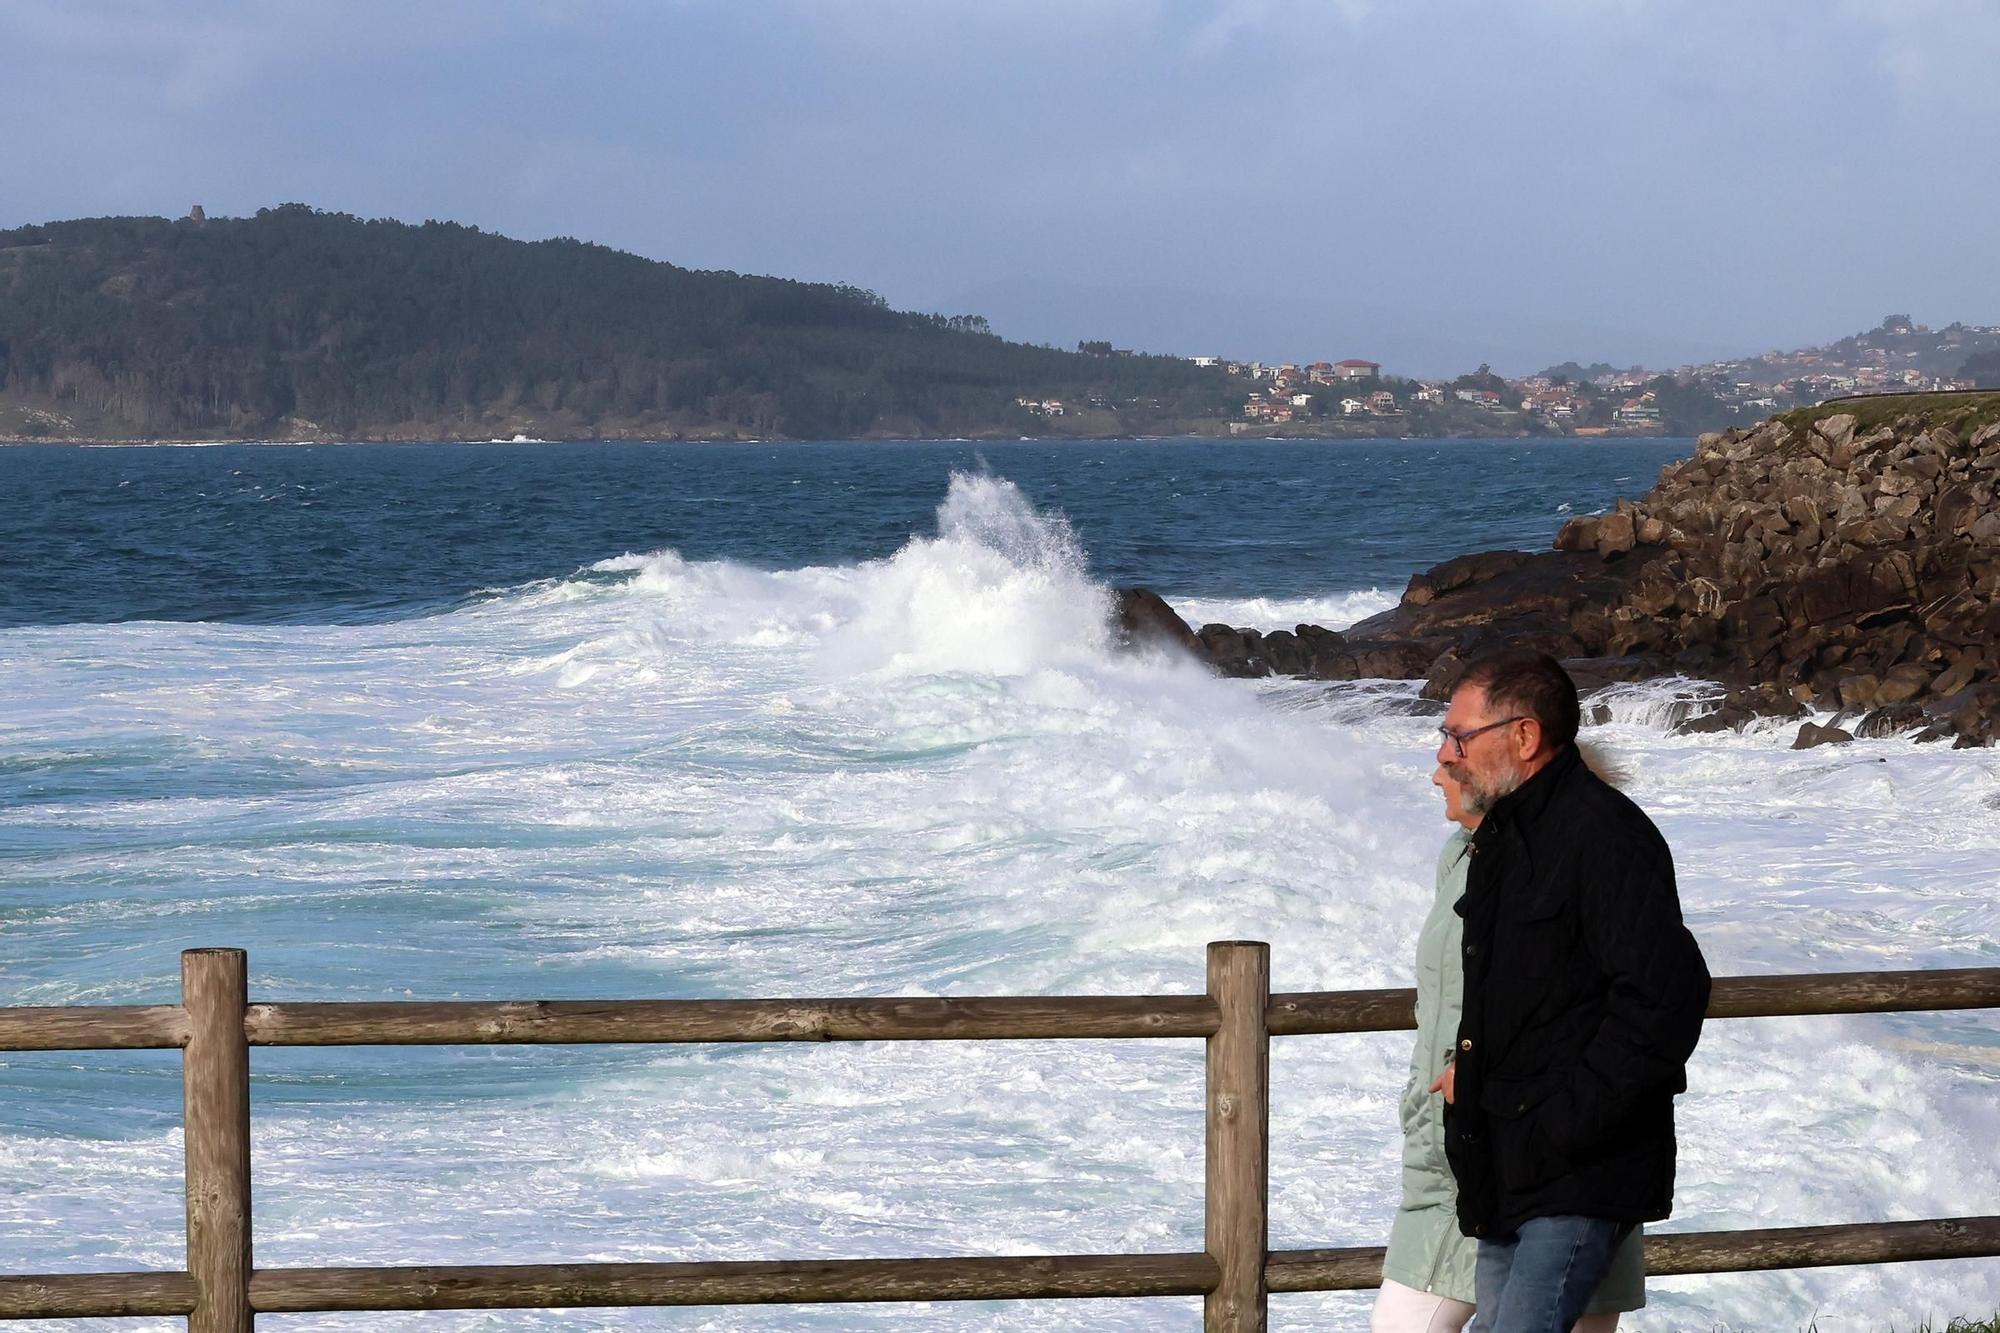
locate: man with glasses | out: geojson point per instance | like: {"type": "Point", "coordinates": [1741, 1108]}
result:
{"type": "Point", "coordinates": [1584, 995]}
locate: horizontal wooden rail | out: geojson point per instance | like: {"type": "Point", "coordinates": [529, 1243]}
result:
{"type": "Point", "coordinates": [1822, 1246]}
{"type": "Point", "coordinates": [95, 1295]}
{"type": "Point", "coordinates": [104, 1027]}
{"type": "Point", "coordinates": [1855, 993]}
{"type": "Point", "coordinates": [931, 1279]}
{"type": "Point", "coordinates": [1672, 1254]}
{"type": "Point", "coordinates": [971, 1018]}
{"type": "Point", "coordinates": [675, 1021]}
{"type": "Point", "coordinates": [1326, 1012]}
{"type": "Point", "coordinates": [556, 1286]}
{"type": "Point", "coordinates": [1307, 1013]}
{"type": "Point", "coordinates": [215, 1028]}
{"type": "Point", "coordinates": [760, 1282]}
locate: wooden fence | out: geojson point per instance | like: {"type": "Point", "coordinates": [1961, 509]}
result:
{"type": "Point", "coordinates": [215, 1026]}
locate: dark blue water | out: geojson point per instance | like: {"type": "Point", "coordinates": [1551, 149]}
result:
{"type": "Point", "coordinates": [357, 533]}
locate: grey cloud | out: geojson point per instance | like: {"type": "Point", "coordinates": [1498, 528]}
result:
{"type": "Point", "coordinates": [1445, 174]}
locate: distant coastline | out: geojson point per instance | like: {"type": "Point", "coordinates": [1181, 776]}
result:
{"type": "Point", "coordinates": [976, 437]}
{"type": "Point", "coordinates": [302, 326]}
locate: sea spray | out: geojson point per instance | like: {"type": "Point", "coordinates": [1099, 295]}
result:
{"type": "Point", "coordinates": [680, 777]}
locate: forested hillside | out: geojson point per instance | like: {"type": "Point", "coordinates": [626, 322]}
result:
{"type": "Point", "coordinates": [297, 323]}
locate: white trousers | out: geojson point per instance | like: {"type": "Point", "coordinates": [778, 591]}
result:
{"type": "Point", "coordinates": [1401, 1309]}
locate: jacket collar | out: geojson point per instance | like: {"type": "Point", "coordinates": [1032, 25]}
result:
{"type": "Point", "coordinates": [1524, 805]}
{"type": "Point", "coordinates": [1456, 844]}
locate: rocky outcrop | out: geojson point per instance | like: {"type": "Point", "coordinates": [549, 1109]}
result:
{"type": "Point", "coordinates": [1810, 561]}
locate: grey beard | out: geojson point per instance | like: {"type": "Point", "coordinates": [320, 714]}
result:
{"type": "Point", "coordinates": [1480, 797]}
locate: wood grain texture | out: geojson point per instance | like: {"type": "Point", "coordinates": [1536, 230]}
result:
{"type": "Point", "coordinates": [95, 1295]}
{"type": "Point", "coordinates": [1239, 1136]}
{"type": "Point", "coordinates": [1823, 1246]}
{"type": "Point", "coordinates": [1000, 1018]}
{"type": "Point", "coordinates": [1675, 1253]}
{"type": "Point", "coordinates": [558, 1286]}
{"type": "Point", "coordinates": [1303, 1013]}
{"type": "Point", "coordinates": [1321, 1013]}
{"type": "Point", "coordinates": [1855, 993]}
{"type": "Point", "coordinates": [215, 1075]}
{"type": "Point", "coordinates": [102, 1027]}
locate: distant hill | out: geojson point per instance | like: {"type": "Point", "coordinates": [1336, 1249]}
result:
{"type": "Point", "coordinates": [298, 323]}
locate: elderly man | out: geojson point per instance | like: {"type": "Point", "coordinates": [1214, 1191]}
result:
{"type": "Point", "coordinates": [1584, 995]}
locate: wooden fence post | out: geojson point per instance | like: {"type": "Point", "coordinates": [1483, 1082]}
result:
{"type": "Point", "coordinates": [215, 1075]}
{"type": "Point", "coordinates": [1238, 1139]}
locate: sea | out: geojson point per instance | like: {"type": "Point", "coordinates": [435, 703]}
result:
{"type": "Point", "coordinates": [496, 721]}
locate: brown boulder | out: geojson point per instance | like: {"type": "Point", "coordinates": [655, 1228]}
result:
{"type": "Point", "coordinates": [1958, 675]}
{"type": "Point", "coordinates": [1579, 534]}
{"type": "Point", "coordinates": [1903, 683]}
{"type": "Point", "coordinates": [1826, 566]}
{"type": "Point", "coordinates": [1461, 572]}
{"type": "Point", "coordinates": [1616, 534]}
{"type": "Point", "coordinates": [1285, 654]}
{"type": "Point", "coordinates": [1812, 734]}
{"type": "Point", "coordinates": [1836, 430]}
{"type": "Point", "coordinates": [1892, 720]}
{"type": "Point", "coordinates": [1143, 617]}
{"type": "Point", "coordinates": [1235, 652]}
{"type": "Point", "coordinates": [1858, 690]}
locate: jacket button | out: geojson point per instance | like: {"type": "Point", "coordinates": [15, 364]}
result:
{"type": "Point", "coordinates": [1465, 1045]}
{"type": "Point", "coordinates": [1471, 949]}
{"type": "Point", "coordinates": [1519, 1109]}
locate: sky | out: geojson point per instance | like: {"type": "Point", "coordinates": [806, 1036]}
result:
{"type": "Point", "coordinates": [1426, 183]}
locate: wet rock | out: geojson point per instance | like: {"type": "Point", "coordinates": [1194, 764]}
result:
{"type": "Point", "coordinates": [1461, 572]}
{"type": "Point", "coordinates": [1594, 673]}
{"type": "Point", "coordinates": [1285, 653]}
{"type": "Point", "coordinates": [1812, 734]}
{"type": "Point", "coordinates": [1973, 712]}
{"type": "Point", "coordinates": [1729, 717]}
{"type": "Point", "coordinates": [1234, 652]}
{"type": "Point", "coordinates": [1892, 720]}
{"type": "Point", "coordinates": [1823, 565]}
{"type": "Point", "coordinates": [1144, 618]}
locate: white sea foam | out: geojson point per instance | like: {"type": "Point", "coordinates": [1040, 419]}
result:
{"type": "Point", "coordinates": [1331, 611]}
{"type": "Point", "coordinates": [927, 774]}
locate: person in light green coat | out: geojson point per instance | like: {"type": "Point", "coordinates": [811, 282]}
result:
{"type": "Point", "coordinates": [1427, 1273]}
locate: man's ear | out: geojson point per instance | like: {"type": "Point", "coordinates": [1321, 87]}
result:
{"type": "Point", "coordinates": [1529, 743]}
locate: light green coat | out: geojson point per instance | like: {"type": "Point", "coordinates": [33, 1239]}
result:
{"type": "Point", "coordinates": [1427, 1251]}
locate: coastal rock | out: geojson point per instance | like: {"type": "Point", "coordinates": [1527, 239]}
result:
{"type": "Point", "coordinates": [1892, 720]}
{"type": "Point", "coordinates": [1143, 617]}
{"type": "Point", "coordinates": [1809, 562]}
{"type": "Point", "coordinates": [1234, 652]}
{"type": "Point", "coordinates": [1462, 572]}
{"type": "Point", "coordinates": [1811, 734]}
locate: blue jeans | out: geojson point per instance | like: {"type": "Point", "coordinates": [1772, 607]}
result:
{"type": "Point", "coordinates": [1539, 1279]}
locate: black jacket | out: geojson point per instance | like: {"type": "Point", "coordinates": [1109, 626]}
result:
{"type": "Point", "coordinates": [1584, 995]}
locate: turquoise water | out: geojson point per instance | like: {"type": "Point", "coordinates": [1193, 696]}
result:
{"type": "Point", "coordinates": [548, 721]}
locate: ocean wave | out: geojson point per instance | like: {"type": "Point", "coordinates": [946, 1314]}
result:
{"type": "Point", "coordinates": [1335, 611]}
{"type": "Point", "coordinates": [925, 774]}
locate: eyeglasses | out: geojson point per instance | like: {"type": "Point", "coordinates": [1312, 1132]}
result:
{"type": "Point", "coordinates": [1459, 738]}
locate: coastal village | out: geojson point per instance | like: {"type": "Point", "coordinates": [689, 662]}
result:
{"type": "Point", "coordinates": [1358, 396]}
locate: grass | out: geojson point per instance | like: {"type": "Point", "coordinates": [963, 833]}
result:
{"type": "Point", "coordinates": [1963, 412]}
